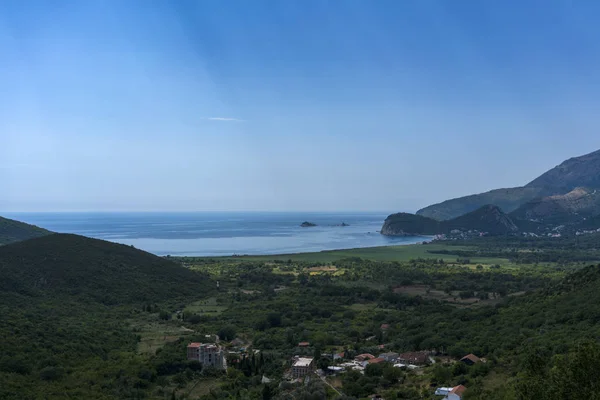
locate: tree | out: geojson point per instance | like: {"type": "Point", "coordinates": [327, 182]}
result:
{"type": "Point", "coordinates": [267, 392]}
{"type": "Point", "coordinates": [227, 333]}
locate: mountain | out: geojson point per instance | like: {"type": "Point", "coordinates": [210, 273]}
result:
{"type": "Point", "coordinates": [489, 218]}
{"type": "Point", "coordinates": [583, 171]}
{"type": "Point", "coordinates": [14, 231]}
{"type": "Point", "coordinates": [68, 304]}
{"type": "Point", "coordinates": [574, 206]}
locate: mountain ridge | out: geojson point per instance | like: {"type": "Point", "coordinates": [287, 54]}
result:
{"type": "Point", "coordinates": [14, 231]}
{"type": "Point", "coordinates": [489, 218]}
{"type": "Point", "coordinates": [582, 171]}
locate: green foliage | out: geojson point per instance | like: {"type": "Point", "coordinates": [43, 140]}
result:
{"type": "Point", "coordinates": [15, 231]}
{"type": "Point", "coordinates": [64, 300]}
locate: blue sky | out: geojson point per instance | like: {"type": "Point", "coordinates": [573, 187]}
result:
{"type": "Point", "coordinates": [288, 105]}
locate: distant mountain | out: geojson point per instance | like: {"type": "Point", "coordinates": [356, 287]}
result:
{"type": "Point", "coordinates": [489, 218]}
{"type": "Point", "coordinates": [14, 231]}
{"type": "Point", "coordinates": [576, 172]}
{"type": "Point", "coordinates": [583, 171]}
{"type": "Point", "coordinates": [571, 207]}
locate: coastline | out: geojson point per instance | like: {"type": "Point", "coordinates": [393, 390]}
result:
{"type": "Point", "coordinates": [398, 252]}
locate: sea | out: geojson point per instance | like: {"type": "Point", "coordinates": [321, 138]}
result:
{"type": "Point", "coordinates": [224, 233]}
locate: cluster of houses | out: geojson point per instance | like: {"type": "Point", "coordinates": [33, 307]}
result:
{"type": "Point", "coordinates": [410, 360]}
{"type": "Point", "coordinates": [213, 355]}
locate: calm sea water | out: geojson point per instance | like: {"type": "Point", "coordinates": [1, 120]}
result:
{"type": "Point", "coordinates": [220, 233]}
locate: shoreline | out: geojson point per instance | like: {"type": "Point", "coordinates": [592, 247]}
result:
{"type": "Point", "coordinates": [303, 254]}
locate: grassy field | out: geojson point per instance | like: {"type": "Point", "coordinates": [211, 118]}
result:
{"type": "Point", "coordinates": [155, 335]}
{"type": "Point", "coordinates": [206, 306]}
{"type": "Point", "coordinates": [384, 253]}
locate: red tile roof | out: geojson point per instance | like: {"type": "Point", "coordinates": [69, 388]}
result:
{"type": "Point", "coordinates": [194, 344]}
{"type": "Point", "coordinates": [471, 357]}
{"type": "Point", "coordinates": [459, 390]}
{"type": "Point", "coordinates": [365, 356]}
{"type": "Point", "coordinates": [303, 344]}
{"type": "Point", "coordinates": [385, 326]}
{"type": "Point", "coordinates": [376, 360]}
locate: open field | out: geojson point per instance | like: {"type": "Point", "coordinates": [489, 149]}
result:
{"type": "Point", "coordinates": [206, 306]}
{"type": "Point", "coordinates": [384, 253]}
{"type": "Point", "coordinates": [155, 335]}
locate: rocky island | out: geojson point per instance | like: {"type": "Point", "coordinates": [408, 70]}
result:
{"type": "Point", "coordinates": [307, 224]}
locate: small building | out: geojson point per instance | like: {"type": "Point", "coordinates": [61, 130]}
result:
{"type": "Point", "coordinates": [414, 357]}
{"type": "Point", "coordinates": [302, 366]}
{"type": "Point", "coordinates": [389, 357]}
{"type": "Point", "coordinates": [385, 327]}
{"type": "Point", "coordinates": [207, 354]}
{"type": "Point", "coordinates": [364, 357]}
{"type": "Point", "coordinates": [456, 393]}
{"type": "Point", "coordinates": [335, 370]}
{"type": "Point", "coordinates": [303, 344]}
{"type": "Point", "coordinates": [443, 391]}
{"type": "Point", "coordinates": [470, 359]}
{"type": "Point", "coordinates": [338, 356]}
{"type": "Point", "coordinates": [377, 360]}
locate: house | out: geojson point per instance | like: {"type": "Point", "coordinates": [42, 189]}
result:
{"type": "Point", "coordinates": [339, 356]}
{"type": "Point", "coordinates": [302, 366]}
{"type": "Point", "coordinates": [354, 365]}
{"type": "Point", "coordinates": [207, 354]}
{"type": "Point", "coordinates": [335, 370]}
{"type": "Point", "coordinates": [389, 357]}
{"type": "Point", "coordinates": [456, 393]}
{"type": "Point", "coordinates": [443, 391]}
{"type": "Point", "coordinates": [303, 344]}
{"type": "Point", "coordinates": [414, 357]}
{"type": "Point", "coordinates": [364, 357]}
{"type": "Point", "coordinates": [470, 359]}
{"type": "Point", "coordinates": [408, 366]}
{"type": "Point", "coordinates": [385, 327]}
{"type": "Point", "coordinates": [376, 360]}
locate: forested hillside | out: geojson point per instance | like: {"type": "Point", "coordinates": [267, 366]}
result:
{"type": "Point", "coordinates": [64, 300]}
{"type": "Point", "coordinates": [14, 231]}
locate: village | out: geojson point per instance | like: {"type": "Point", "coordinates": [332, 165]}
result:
{"type": "Point", "coordinates": [301, 368]}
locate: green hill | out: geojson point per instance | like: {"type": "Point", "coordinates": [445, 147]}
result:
{"type": "Point", "coordinates": [583, 171]}
{"type": "Point", "coordinates": [64, 300]}
{"type": "Point", "coordinates": [488, 219]}
{"type": "Point", "coordinates": [14, 231]}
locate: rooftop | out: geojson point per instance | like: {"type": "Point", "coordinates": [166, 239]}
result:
{"type": "Point", "coordinates": [194, 344]}
{"type": "Point", "coordinates": [471, 357]}
{"type": "Point", "coordinates": [303, 362]}
{"type": "Point", "coordinates": [458, 389]}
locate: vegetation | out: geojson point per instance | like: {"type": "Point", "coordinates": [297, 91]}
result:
{"type": "Point", "coordinates": [488, 219]}
{"type": "Point", "coordinates": [65, 300]}
{"type": "Point", "coordinates": [98, 320]}
{"type": "Point", "coordinates": [14, 231]}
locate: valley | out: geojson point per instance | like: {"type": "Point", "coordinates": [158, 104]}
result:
{"type": "Point", "coordinates": [511, 295]}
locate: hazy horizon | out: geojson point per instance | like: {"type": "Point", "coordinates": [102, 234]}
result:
{"type": "Point", "coordinates": [288, 106]}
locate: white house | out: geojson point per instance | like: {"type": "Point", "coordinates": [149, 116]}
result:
{"type": "Point", "coordinates": [454, 393]}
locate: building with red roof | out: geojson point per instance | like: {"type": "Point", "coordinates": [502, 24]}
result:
{"type": "Point", "coordinates": [470, 359]}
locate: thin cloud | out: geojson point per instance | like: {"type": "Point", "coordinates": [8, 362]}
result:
{"type": "Point", "coordinates": [225, 119]}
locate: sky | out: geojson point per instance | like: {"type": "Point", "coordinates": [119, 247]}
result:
{"type": "Point", "coordinates": [124, 105]}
